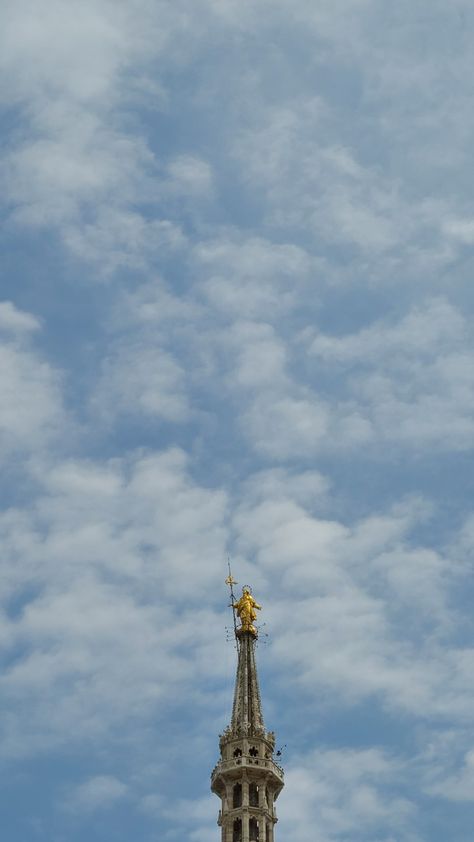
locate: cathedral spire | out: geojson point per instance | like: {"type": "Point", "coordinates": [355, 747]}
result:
{"type": "Point", "coordinates": [246, 778]}
{"type": "Point", "coordinates": [247, 715]}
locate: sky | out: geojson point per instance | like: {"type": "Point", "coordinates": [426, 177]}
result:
{"type": "Point", "coordinates": [236, 321]}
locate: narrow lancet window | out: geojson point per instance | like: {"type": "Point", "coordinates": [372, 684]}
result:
{"type": "Point", "coordinates": [253, 795]}
{"type": "Point", "coordinates": [253, 830]}
{"type": "Point", "coordinates": [237, 796]}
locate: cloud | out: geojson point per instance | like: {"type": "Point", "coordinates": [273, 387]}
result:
{"type": "Point", "coordinates": [282, 198]}
{"type": "Point", "coordinates": [31, 408]}
{"type": "Point", "coordinates": [16, 321]}
{"type": "Point", "coordinates": [59, 48]}
{"type": "Point", "coordinates": [459, 786]}
{"type": "Point", "coordinates": [189, 175]}
{"type": "Point", "coordinates": [76, 165]}
{"type": "Point", "coordinates": [95, 577]}
{"type": "Point", "coordinates": [278, 416]}
{"type": "Point", "coordinates": [373, 608]}
{"type": "Point", "coordinates": [98, 793]}
{"type": "Point", "coordinates": [460, 229]}
{"type": "Point", "coordinates": [427, 331]}
{"type": "Point", "coordinates": [253, 278]}
{"type": "Point", "coordinates": [409, 381]}
{"type": "Point", "coordinates": [144, 381]}
{"type": "Point", "coordinates": [286, 427]}
{"type": "Point", "coordinates": [332, 794]}
{"type": "Point", "coordinates": [152, 358]}
{"type": "Point", "coordinates": [121, 239]}
{"type": "Point", "coordinates": [303, 487]}
{"type": "Point", "coordinates": [81, 151]}
{"type": "Point", "coordinates": [315, 186]}
{"type": "Point", "coordinates": [295, 394]}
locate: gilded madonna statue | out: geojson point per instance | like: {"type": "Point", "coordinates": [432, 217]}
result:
{"type": "Point", "coordinates": [246, 609]}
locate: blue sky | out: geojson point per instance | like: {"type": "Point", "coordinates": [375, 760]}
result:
{"type": "Point", "coordinates": [236, 318]}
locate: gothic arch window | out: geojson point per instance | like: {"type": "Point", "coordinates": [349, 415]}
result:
{"type": "Point", "coordinates": [253, 795]}
{"type": "Point", "coordinates": [237, 831]}
{"type": "Point", "coordinates": [237, 796]}
{"type": "Point", "coordinates": [253, 830]}
{"type": "Point", "coordinates": [253, 752]}
{"type": "Point", "coordinates": [238, 752]}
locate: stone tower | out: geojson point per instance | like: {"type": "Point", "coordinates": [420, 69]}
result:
{"type": "Point", "coordinates": [246, 778]}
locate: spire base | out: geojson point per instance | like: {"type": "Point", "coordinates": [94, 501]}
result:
{"type": "Point", "coordinates": [250, 630]}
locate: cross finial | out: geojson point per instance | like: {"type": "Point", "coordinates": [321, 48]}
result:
{"type": "Point", "coordinates": [230, 581]}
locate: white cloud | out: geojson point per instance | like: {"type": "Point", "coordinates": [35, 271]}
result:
{"type": "Point", "coordinates": [98, 793]}
{"type": "Point", "coordinates": [460, 229]}
{"type": "Point", "coordinates": [260, 356]}
{"type": "Point", "coordinates": [285, 427]}
{"type": "Point", "coordinates": [252, 277]}
{"type": "Point", "coordinates": [333, 794]}
{"type": "Point", "coordinates": [372, 607]}
{"type": "Point", "coordinates": [82, 163]}
{"type": "Point", "coordinates": [304, 487]}
{"type": "Point", "coordinates": [31, 409]}
{"type": "Point", "coordinates": [408, 382]}
{"type": "Point", "coordinates": [78, 166]}
{"type": "Point", "coordinates": [121, 239]}
{"type": "Point", "coordinates": [279, 417]}
{"type": "Point", "coordinates": [196, 818]}
{"type": "Point", "coordinates": [313, 185]}
{"type": "Point", "coordinates": [153, 308]}
{"type": "Point", "coordinates": [329, 172]}
{"type": "Point", "coordinates": [188, 175]}
{"type": "Point", "coordinates": [83, 154]}
{"type": "Point", "coordinates": [94, 581]}
{"type": "Point", "coordinates": [14, 320]}
{"type": "Point", "coordinates": [460, 786]}
{"type": "Point", "coordinates": [142, 380]}
{"type": "Point", "coordinates": [427, 331]}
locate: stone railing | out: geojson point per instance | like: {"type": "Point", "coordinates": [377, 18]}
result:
{"type": "Point", "coordinates": [246, 760]}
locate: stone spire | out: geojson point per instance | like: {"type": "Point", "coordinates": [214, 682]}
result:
{"type": "Point", "coordinates": [247, 715]}
{"type": "Point", "coordinates": [246, 778]}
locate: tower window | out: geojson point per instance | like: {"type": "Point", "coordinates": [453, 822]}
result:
{"type": "Point", "coordinates": [238, 752]}
{"type": "Point", "coordinates": [253, 752]}
{"type": "Point", "coordinates": [253, 795]}
{"type": "Point", "coordinates": [253, 830]}
{"type": "Point", "coordinates": [237, 796]}
{"type": "Point", "coordinates": [237, 832]}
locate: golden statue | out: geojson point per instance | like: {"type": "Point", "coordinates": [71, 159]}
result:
{"type": "Point", "coordinates": [246, 610]}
